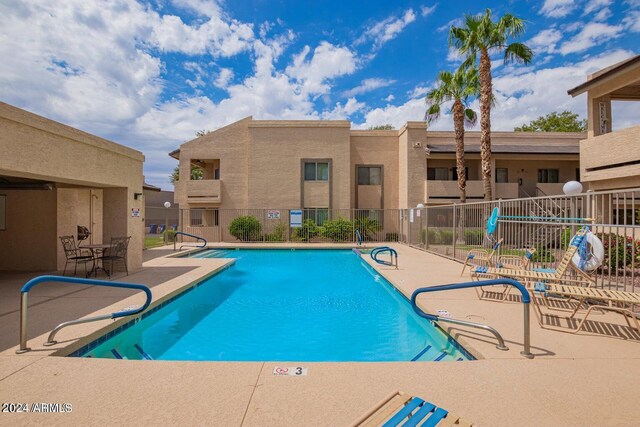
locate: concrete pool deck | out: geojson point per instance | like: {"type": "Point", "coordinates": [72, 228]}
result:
{"type": "Point", "coordinates": [588, 378]}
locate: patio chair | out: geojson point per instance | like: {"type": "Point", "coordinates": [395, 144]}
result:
{"type": "Point", "coordinates": [402, 409]}
{"type": "Point", "coordinates": [74, 254]}
{"type": "Point", "coordinates": [606, 296]}
{"type": "Point", "coordinates": [545, 275]}
{"type": "Point", "coordinates": [481, 257]}
{"type": "Point", "coordinates": [117, 252]}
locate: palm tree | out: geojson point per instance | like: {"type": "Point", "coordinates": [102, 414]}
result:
{"type": "Point", "coordinates": [481, 35]}
{"type": "Point", "coordinates": [457, 87]}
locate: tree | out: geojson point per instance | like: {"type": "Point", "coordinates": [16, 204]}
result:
{"type": "Point", "coordinates": [382, 127]}
{"type": "Point", "coordinates": [481, 35]}
{"type": "Point", "coordinates": [565, 121]}
{"type": "Point", "coordinates": [458, 87]}
{"type": "Point", "coordinates": [196, 174]}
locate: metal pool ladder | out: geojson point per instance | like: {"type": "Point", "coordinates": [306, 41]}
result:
{"type": "Point", "coordinates": [382, 249]}
{"type": "Point", "coordinates": [204, 241]}
{"type": "Point", "coordinates": [509, 282]}
{"type": "Point", "coordinates": [81, 281]}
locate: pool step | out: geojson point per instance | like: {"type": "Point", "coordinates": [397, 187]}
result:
{"type": "Point", "coordinates": [140, 350]}
{"type": "Point", "coordinates": [430, 353]}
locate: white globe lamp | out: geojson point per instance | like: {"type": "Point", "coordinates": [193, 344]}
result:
{"type": "Point", "coordinates": [572, 188]}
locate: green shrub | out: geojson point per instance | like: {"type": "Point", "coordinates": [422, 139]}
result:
{"type": "Point", "coordinates": [543, 255]}
{"type": "Point", "coordinates": [446, 237]}
{"type": "Point", "coordinates": [431, 235]}
{"type": "Point", "coordinates": [367, 227]}
{"type": "Point", "coordinates": [277, 235]}
{"type": "Point", "coordinates": [473, 237]}
{"type": "Point", "coordinates": [619, 251]}
{"type": "Point", "coordinates": [246, 228]}
{"type": "Point", "coordinates": [307, 231]}
{"type": "Point", "coordinates": [169, 235]}
{"type": "Point", "coordinates": [339, 230]}
{"type": "Point", "coordinates": [391, 237]}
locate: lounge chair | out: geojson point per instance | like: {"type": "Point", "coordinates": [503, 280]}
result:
{"type": "Point", "coordinates": [402, 409]}
{"type": "Point", "coordinates": [481, 257]}
{"type": "Point", "coordinates": [74, 254]}
{"type": "Point", "coordinates": [545, 275]}
{"type": "Point", "coordinates": [582, 294]}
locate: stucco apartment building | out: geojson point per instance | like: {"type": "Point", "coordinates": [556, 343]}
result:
{"type": "Point", "coordinates": [325, 165]}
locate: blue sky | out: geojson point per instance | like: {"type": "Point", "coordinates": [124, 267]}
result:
{"type": "Point", "coordinates": [150, 74]}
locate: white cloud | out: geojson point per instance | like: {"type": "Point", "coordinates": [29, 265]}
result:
{"type": "Point", "coordinates": [367, 85]}
{"type": "Point", "coordinates": [592, 34]}
{"type": "Point", "coordinates": [545, 41]}
{"type": "Point", "coordinates": [327, 62]}
{"type": "Point", "coordinates": [632, 21]}
{"type": "Point", "coordinates": [593, 5]}
{"type": "Point", "coordinates": [557, 8]}
{"type": "Point", "coordinates": [427, 10]}
{"type": "Point", "coordinates": [520, 98]}
{"type": "Point", "coordinates": [343, 111]}
{"type": "Point", "coordinates": [390, 98]}
{"type": "Point", "coordinates": [457, 22]}
{"type": "Point", "coordinates": [224, 77]}
{"type": "Point", "coordinates": [383, 31]}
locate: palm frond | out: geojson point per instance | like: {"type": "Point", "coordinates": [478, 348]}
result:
{"type": "Point", "coordinates": [518, 52]}
{"type": "Point", "coordinates": [470, 118]}
{"type": "Point", "coordinates": [432, 114]}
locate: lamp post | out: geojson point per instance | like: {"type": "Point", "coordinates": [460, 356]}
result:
{"type": "Point", "coordinates": [572, 189]}
{"type": "Point", "coordinates": [166, 220]}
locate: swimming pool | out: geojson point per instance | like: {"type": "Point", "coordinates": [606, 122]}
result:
{"type": "Point", "coordinates": [285, 305]}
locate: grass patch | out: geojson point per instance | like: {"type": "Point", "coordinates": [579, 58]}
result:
{"type": "Point", "coordinates": [153, 241]}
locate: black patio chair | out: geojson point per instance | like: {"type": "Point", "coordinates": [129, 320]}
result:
{"type": "Point", "coordinates": [117, 252]}
{"type": "Point", "coordinates": [74, 254]}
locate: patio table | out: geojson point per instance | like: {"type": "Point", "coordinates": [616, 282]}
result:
{"type": "Point", "coordinates": [97, 250]}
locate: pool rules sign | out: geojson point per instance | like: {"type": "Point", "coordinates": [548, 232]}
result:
{"type": "Point", "coordinates": [295, 218]}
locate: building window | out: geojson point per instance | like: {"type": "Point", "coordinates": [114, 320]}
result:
{"type": "Point", "coordinates": [626, 216]}
{"type": "Point", "coordinates": [578, 174]}
{"type": "Point", "coordinates": [202, 217]}
{"type": "Point", "coordinates": [548, 176]}
{"type": "Point", "coordinates": [502, 175]}
{"type": "Point", "coordinates": [216, 173]}
{"type": "Point", "coordinates": [318, 215]}
{"type": "Point", "coordinates": [316, 171]}
{"type": "Point", "coordinates": [454, 176]}
{"type": "Point", "coordinates": [438, 174]}
{"type": "Point", "coordinates": [369, 175]}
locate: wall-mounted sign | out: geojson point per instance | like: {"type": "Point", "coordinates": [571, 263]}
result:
{"type": "Point", "coordinates": [135, 212]}
{"type": "Point", "coordinates": [273, 214]}
{"type": "Point", "coordinates": [295, 218]}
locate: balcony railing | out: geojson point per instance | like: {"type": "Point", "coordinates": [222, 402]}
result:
{"type": "Point", "coordinates": [448, 190]}
{"type": "Point", "coordinates": [204, 191]}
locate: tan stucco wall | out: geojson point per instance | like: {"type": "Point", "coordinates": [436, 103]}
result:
{"type": "Point", "coordinates": [376, 148]}
{"type": "Point", "coordinates": [413, 139]}
{"type": "Point", "coordinates": [316, 194]}
{"type": "Point", "coordinates": [30, 240]}
{"type": "Point", "coordinates": [79, 206]}
{"type": "Point", "coordinates": [277, 150]}
{"type": "Point", "coordinates": [38, 148]}
{"type": "Point", "coordinates": [229, 145]}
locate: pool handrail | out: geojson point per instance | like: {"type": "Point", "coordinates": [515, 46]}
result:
{"type": "Point", "coordinates": [501, 281]}
{"type": "Point", "coordinates": [81, 281]}
{"type": "Point", "coordinates": [204, 244]}
{"type": "Point", "coordinates": [381, 249]}
{"type": "Point", "coordinates": [358, 237]}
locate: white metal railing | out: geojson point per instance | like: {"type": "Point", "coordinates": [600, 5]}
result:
{"type": "Point", "coordinates": [453, 230]}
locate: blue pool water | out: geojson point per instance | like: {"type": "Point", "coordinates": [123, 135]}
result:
{"type": "Point", "coordinates": [285, 305]}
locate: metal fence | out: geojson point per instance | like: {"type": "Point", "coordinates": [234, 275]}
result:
{"type": "Point", "coordinates": [544, 223]}
{"type": "Point", "coordinates": [157, 219]}
{"type": "Point", "coordinates": [273, 225]}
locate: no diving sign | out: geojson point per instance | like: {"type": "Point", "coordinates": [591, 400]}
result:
{"type": "Point", "coordinates": [290, 371]}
